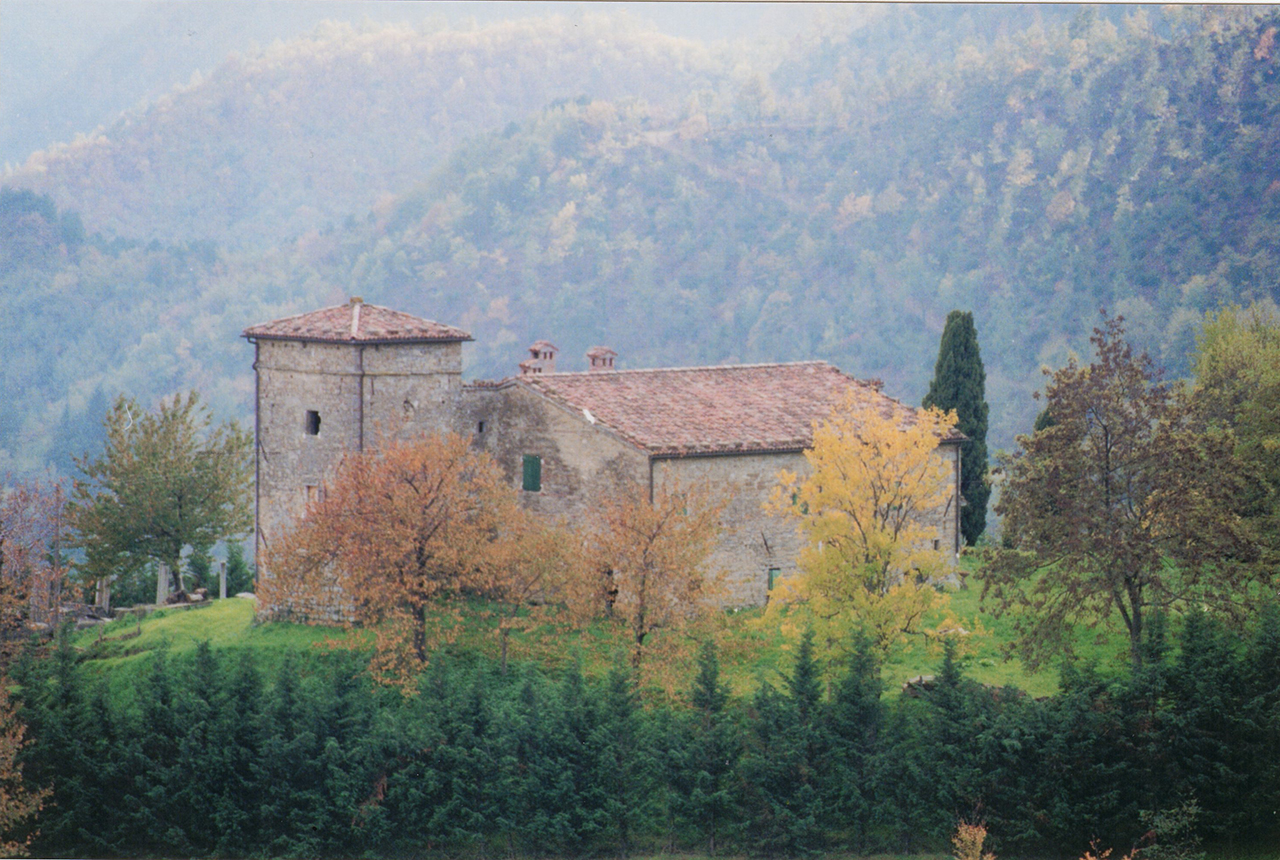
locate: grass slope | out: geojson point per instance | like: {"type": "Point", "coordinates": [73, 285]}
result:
{"type": "Point", "coordinates": [755, 646]}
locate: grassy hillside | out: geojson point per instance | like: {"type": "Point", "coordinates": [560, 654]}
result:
{"type": "Point", "coordinates": [754, 646]}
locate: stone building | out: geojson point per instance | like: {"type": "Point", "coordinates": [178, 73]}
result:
{"type": "Point", "coordinates": [339, 379]}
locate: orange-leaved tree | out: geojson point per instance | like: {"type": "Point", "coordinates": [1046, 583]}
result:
{"type": "Point", "coordinates": [870, 506]}
{"type": "Point", "coordinates": [19, 802]}
{"type": "Point", "coordinates": [539, 570]}
{"type": "Point", "coordinates": [651, 558]}
{"type": "Point", "coordinates": [31, 580]}
{"type": "Point", "coordinates": [398, 531]}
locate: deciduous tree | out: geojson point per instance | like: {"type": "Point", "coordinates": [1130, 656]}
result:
{"type": "Point", "coordinates": [1122, 506]}
{"type": "Point", "coordinates": [1237, 384]}
{"type": "Point", "coordinates": [959, 386]}
{"type": "Point", "coordinates": [652, 558]}
{"type": "Point", "coordinates": [870, 508]}
{"type": "Point", "coordinates": [32, 570]}
{"type": "Point", "coordinates": [399, 529]}
{"type": "Point", "coordinates": [19, 802]}
{"type": "Point", "coordinates": [165, 482]}
{"type": "Point", "coordinates": [539, 570]}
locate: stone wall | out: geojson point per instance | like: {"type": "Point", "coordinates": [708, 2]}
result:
{"type": "Point", "coordinates": [580, 462]}
{"type": "Point", "coordinates": [317, 402]}
{"type": "Point", "coordinates": [753, 542]}
{"type": "Point", "coordinates": [949, 519]}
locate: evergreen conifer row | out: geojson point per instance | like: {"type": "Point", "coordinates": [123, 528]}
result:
{"type": "Point", "coordinates": [215, 757]}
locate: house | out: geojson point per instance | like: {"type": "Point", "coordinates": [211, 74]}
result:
{"type": "Point", "coordinates": [339, 379]}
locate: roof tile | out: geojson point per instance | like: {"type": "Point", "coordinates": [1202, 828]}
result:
{"type": "Point", "coordinates": [741, 408]}
{"type": "Point", "coordinates": [356, 322]}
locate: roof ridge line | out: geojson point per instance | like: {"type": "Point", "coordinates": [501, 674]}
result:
{"type": "Point", "coordinates": [816, 361]}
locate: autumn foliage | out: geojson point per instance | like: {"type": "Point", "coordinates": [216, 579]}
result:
{"type": "Point", "coordinates": [651, 558]}
{"type": "Point", "coordinates": [31, 581]}
{"type": "Point", "coordinates": [967, 842]}
{"type": "Point", "coordinates": [32, 569]}
{"type": "Point", "coordinates": [397, 530]}
{"type": "Point", "coordinates": [870, 508]}
{"type": "Point", "coordinates": [1123, 506]}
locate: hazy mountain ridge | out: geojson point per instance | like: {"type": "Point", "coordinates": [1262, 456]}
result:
{"type": "Point", "coordinates": [828, 204]}
{"type": "Point", "coordinates": [1034, 180]}
{"type": "Point", "coordinates": [311, 130]}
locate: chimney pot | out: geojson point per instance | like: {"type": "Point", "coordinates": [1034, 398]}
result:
{"type": "Point", "coordinates": [600, 358]}
{"type": "Point", "coordinates": [542, 358]}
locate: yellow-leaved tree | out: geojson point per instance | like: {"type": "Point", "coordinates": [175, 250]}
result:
{"type": "Point", "coordinates": [871, 507]}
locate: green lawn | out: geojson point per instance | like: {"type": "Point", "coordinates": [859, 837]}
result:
{"type": "Point", "coordinates": [753, 646]}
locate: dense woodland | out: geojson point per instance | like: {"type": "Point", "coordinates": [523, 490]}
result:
{"type": "Point", "coordinates": [831, 198]}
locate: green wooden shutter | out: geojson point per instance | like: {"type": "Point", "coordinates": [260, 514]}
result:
{"type": "Point", "coordinates": [532, 473]}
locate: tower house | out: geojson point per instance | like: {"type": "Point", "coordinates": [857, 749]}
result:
{"type": "Point", "coordinates": [336, 381]}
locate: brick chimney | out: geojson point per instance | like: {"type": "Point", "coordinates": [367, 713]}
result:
{"type": "Point", "coordinates": [600, 358]}
{"type": "Point", "coordinates": [542, 358]}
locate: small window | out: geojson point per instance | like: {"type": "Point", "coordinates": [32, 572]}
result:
{"type": "Point", "coordinates": [480, 427]}
{"type": "Point", "coordinates": [773, 576]}
{"type": "Point", "coordinates": [532, 473]}
{"type": "Point", "coordinates": [313, 423]}
{"type": "Point", "coordinates": [315, 494]}
{"type": "Point", "coordinates": [937, 544]}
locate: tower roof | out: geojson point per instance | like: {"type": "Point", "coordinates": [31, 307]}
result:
{"type": "Point", "coordinates": [357, 322]}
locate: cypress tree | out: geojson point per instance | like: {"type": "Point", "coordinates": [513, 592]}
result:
{"type": "Point", "coordinates": [959, 383]}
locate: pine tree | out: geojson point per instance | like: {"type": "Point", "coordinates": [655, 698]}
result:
{"type": "Point", "coordinates": [853, 722]}
{"type": "Point", "coordinates": [237, 808]}
{"type": "Point", "coordinates": [239, 575]}
{"type": "Point", "coordinates": [959, 383]}
{"type": "Point", "coordinates": [1262, 663]}
{"type": "Point", "coordinates": [704, 757]}
{"type": "Point", "coordinates": [622, 763]}
{"type": "Point", "coordinates": [780, 768]}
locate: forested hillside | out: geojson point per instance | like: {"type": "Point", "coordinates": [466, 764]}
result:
{"type": "Point", "coordinates": [309, 131]}
{"type": "Point", "coordinates": [832, 200]}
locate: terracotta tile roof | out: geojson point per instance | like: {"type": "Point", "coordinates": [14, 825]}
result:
{"type": "Point", "coordinates": [710, 410]}
{"type": "Point", "coordinates": [356, 322]}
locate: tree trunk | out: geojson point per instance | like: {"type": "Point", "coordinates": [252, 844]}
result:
{"type": "Point", "coordinates": [162, 584]}
{"type": "Point", "coordinates": [102, 595]}
{"type": "Point", "coordinates": [1135, 629]}
{"type": "Point", "coordinates": [420, 636]}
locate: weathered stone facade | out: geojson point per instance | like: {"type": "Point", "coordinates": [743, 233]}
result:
{"type": "Point", "coordinates": [341, 379]}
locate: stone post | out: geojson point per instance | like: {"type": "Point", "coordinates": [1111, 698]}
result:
{"type": "Point", "coordinates": [162, 584]}
{"type": "Point", "coordinates": [222, 581]}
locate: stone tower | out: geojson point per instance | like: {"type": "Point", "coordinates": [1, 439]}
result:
{"type": "Point", "coordinates": [338, 380]}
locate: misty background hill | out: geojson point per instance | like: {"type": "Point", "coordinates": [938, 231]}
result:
{"type": "Point", "coordinates": [829, 193]}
